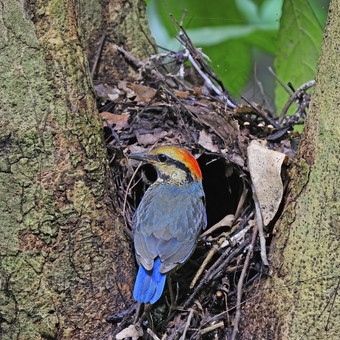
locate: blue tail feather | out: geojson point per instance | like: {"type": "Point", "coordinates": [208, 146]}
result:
{"type": "Point", "coordinates": [149, 285]}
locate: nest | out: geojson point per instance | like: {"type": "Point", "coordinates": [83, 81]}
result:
{"type": "Point", "coordinates": [178, 100]}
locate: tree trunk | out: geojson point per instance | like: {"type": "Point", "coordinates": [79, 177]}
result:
{"type": "Point", "coordinates": [113, 22]}
{"type": "Point", "coordinates": [301, 299]}
{"type": "Point", "coordinates": [65, 262]}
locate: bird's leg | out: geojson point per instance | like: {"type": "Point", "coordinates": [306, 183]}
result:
{"type": "Point", "coordinates": [138, 311]}
{"type": "Point", "coordinates": [171, 293]}
{"type": "Point", "coordinates": [173, 297]}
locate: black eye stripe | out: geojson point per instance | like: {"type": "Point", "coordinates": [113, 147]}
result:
{"type": "Point", "coordinates": [182, 166]}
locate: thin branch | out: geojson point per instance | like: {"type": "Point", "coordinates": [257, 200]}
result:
{"type": "Point", "coordinates": [98, 53]}
{"type": "Point", "coordinates": [215, 269]}
{"type": "Point", "coordinates": [261, 113]}
{"type": "Point", "coordinates": [187, 324]}
{"type": "Point", "coordinates": [240, 284]}
{"type": "Point", "coordinates": [286, 88]}
{"type": "Point", "coordinates": [152, 334]}
{"type": "Point", "coordinates": [226, 221]}
{"type": "Point", "coordinates": [207, 259]}
{"type": "Point", "coordinates": [259, 224]}
{"type": "Point", "coordinates": [301, 90]}
{"type": "Point", "coordinates": [212, 328]}
{"type": "Point", "coordinates": [135, 63]}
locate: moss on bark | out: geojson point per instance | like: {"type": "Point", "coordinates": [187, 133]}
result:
{"type": "Point", "coordinates": [65, 263]}
{"type": "Point", "coordinates": [300, 300]}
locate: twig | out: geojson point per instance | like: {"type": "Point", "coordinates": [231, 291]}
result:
{"type": "Point", "coordinates": [215, 269]}
{"type": "Point", "coordinates": [221, 243]}
{"type": "Point", "coordinates": [265, 100]}
{"type": "Point", "coordinates": [212, 328]}
{"type": "Point", "coordinates": [261, 113]}
{"type": "Point", "coordinates": [302, 89]}
{"type": "Point", "coordinates": [241, 202]}
{"type": "Point", "coordinates": [226, 221]}
{"type": "Point", "coordinates": [127, 230]}
{"type": "Point", "coordinates": [152, 334]}
{"type": "Point", "coordinates": [237, 237]}
{"type": "Point", "coordinates": [279, 81]}
{"type": "Point", "coordinates": [210, 255]}
{"type": "Point", "coordinates": [240, 284]}
{"type": "Point", "coordinates": [196, 58]}
{"type": "Point", "coordinates": [259, 224]}
{"type": "Point", "coordinates": [138, 310]}
{"type": "Point", "coordinates": [187, 324]}
{"type": "Point", "coordinates": [135, 63]}
{"type": "Point", "coordinates": [98, 53]}
{"type": "Point", "coordinates": [121, 319]}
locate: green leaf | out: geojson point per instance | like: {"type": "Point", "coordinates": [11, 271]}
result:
{"type": "Point", "coordinates": [320, 8]}
{"type": "Point", "coordinates": [268, 12]}
{"type": "Point", "coordinates": [298, 47]}
{"type": "Point", "coordinates": [223, 31]}
{"type": "Point", "coordinates": [231, 60]}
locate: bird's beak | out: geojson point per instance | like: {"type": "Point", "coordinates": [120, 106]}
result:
{"type": "Point", "coordinates": [144, 157]}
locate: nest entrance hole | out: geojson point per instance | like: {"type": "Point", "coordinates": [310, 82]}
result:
{"type": "Point", "coordinates": [222, 186]}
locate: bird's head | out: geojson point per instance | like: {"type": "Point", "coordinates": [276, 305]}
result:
{"type": "Point", "coordinates": [173, 164]}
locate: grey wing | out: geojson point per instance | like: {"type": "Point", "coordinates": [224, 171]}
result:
{"type": "Point", "coordinates": [167, 224]}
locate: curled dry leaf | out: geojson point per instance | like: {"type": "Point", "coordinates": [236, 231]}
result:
{"type": "Point", "coordinates": [133, 331]}
{"type": "Point", "coordinates": [265, 172]}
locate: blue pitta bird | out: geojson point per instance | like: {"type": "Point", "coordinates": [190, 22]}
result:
{"type": "Point", "coordinates": [168, 219]}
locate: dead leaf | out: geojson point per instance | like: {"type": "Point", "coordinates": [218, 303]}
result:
{"type": "Point", "coordinates": [243, 108]}
{"type": "Point", "coordinates": [205, 140]}
{"type": "Point", "coordinates": [124, 86]}
{"type": "Point", "coordinates": [143, 93]}
{"type": "Point", "coordinates": [107, 92]}
{"type": "Point", "coordinates": [132, 331]}
{"type": "Point", "coordinates": [148, 139]}
{"type": "Point", "coordinates": [181, 94]}
{"type": "Point", "coordinates": [117, 121]}
{"type": "Point", "coordinates": [265, 172]}
{"type": "Point", "coordinates": [198, 91]}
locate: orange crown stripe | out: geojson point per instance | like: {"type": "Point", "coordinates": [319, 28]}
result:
{"type": "Point", "coordinates": [190, 162]}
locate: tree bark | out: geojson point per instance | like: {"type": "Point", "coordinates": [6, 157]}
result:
{"type": "Point", "coordinates": [301, 299]}
{"type": "Point", "coordinates": [114, 22]}
{"type": "Point", "coordinates": [65, 263]}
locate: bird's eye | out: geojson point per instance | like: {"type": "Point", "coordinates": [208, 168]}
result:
{"type": "Point", "coordinates": [162, 158]}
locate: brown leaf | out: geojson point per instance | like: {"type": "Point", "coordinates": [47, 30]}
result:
{"type": "Point", "coordinates": [265, 172]}
{"type": "Point", "coordinates": [150, 138]}
{"type": "Point", "coordinates": [205, 140]}
{"type": "Point", "coordinates": [181, 94]}
{"type": "Point", "coordinates": [143, 93]}
{"type": "Point", "coordinates": [118, 122]}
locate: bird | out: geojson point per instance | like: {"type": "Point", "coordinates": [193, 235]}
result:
{"type": "Point", "coordinates": [168, 219]}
